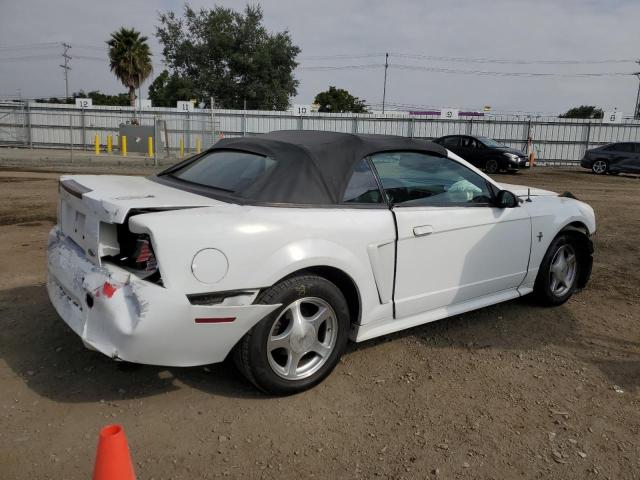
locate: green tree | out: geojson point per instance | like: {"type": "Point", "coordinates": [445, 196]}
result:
{"type": "Point", "coordinates": [167, 89]}
{"type": "Point", "coordinates": [130, 59]}
{"type": "Point", "coordinates": [99, 98]}
{"type": "Point", "coordinates": [583, 111]}
{"type": "Point", "coordinates": [230, 56]}
{"type": "Point", "coordinates": [339, 100]}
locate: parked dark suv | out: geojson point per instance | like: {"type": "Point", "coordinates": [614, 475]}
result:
{"type": "Point", "coordinates": [623, 157]}
{"type": "Point", "coordinates": [485, 153]}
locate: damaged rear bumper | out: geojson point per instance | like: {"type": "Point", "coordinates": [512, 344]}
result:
{"type": "Point", "coordinates": [130, 319]}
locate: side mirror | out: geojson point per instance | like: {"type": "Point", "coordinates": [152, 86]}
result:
{"type": "Point", "coordinates": [506, 199]}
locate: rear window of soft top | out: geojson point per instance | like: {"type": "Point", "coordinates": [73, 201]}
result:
{"type": "Point", "coordinates": [228, 170]}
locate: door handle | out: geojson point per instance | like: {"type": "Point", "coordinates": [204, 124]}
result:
{"type": "Point", "coordinates": [422, 230]}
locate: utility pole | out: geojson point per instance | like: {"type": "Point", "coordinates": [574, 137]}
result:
{"type": "Point", "coordinates": [66, 68]}
{"type": "Point", "coordinates": [212, 104]}
{"type": "Point", "coordinates": [384, 89]}
{"type": "Point", "coordinates": [636, 112]}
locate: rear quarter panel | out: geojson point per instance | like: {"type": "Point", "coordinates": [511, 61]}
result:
{"type": "Point", "coordinates": [265, 244]}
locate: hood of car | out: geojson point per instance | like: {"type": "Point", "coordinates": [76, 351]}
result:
{"type": "Point", "coordinates": [520, 153]}
{"type": "Point", "coordinates": [523, 190]}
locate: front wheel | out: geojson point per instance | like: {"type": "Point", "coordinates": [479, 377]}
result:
{"type": "Point", "coordinates": [558, 275]}
{"type": "Point", "coordinates": [299, 344]}
{"type": "Point", "coordinates": [599, 167]}
{"type": "Point", "coordinates": [491, 166]}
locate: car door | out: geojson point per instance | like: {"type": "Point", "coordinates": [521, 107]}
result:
{"type": "Point", "coordinates": [628, 158]}
{"type": "Point", "coordinates": [454, 244]}
{"type": "Point", "coordinates": [452, 143]}
{"type": "Point", "coordinates": [472, 151]}
{"type": "Point", "coordinates": [621, 157]}
{"type": "Point", "coordinates": [634, 164]}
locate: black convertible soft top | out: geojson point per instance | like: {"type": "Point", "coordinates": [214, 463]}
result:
{"type": "Point", "coordinates": [313, 167]}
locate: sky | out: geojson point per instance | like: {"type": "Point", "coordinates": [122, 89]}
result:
{"type": "Point", "coordinates": [359, 32]}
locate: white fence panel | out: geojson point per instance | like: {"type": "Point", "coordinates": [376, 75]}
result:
{"type": "Point", "coordinates": [48, 125]}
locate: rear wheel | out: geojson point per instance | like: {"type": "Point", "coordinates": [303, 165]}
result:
{"type": "Point", "coordinates": [599, 167]}
{"type": "Point", "coordinates": [559, 271]}
{"type": "Point", "coordinates": [491, 166]}
{"type": "Point", "coordinates": [299, 344]}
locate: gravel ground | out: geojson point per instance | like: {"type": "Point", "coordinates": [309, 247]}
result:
{"type": "Point", "coordinates": [512, 390]}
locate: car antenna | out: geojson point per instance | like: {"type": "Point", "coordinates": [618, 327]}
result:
{"type": "Point", "coordinates": [528, 195]}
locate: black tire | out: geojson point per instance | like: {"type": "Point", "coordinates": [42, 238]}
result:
{"type": "Point", "coordinates": [597, 167]}
{"type": "Point", "coordinates": [251, 355]}
{"type": "Point", "coordinates": [543, 286]}
{"type": "Point", "coordinates": [491, 166]}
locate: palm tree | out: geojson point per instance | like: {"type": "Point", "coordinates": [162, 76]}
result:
{"type": "Point", "coordinates": [130, 59]}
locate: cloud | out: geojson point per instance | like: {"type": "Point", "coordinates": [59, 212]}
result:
{"type": "Point", "coordinates": [511, 29]}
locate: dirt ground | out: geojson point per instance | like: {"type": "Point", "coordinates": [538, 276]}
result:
{"type": "Point", "coordinates": [509, 391]}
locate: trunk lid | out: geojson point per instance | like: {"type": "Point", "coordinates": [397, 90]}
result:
{"type": "Point", "coordinates": [111, 197]}
{"type": "Point", "coordinates": [92, 206]}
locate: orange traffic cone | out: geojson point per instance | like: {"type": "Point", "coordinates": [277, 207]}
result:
{"type": "Point", "coordinates": [113, 460]}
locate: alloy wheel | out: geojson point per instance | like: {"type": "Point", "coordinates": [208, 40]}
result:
{"type": "Point", "coordinates": [302, 338]}
{"type": "Point", "coordinates": [599, 167]}
{"type": "Point", "coordinates": [562, 273]}
{"type": "Point", "coordinates": [491, 166]}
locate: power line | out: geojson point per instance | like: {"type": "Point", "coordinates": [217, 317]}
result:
{"type": "Point", "coordinates": [27, 57]}
{"type": "Point", "coordinates": [507, 74]}
{"type": "Point", "coordinates": [30, 46]}
{"type": "Point", "coordinates": [510, 61]}
{"type": "Point", "coordinates": [401, 66]}
{"type": "Point", "coordinates": [91, 47]}
{"type": "Point", "coordinates": [340, 67]}
{"type": "Point", "coordinates": [344, 56]}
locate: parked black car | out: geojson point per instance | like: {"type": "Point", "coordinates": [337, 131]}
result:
{"type": "Point", "coordinates": [622, 157]}
{"type": "Point", "coordinates": [485, 153]}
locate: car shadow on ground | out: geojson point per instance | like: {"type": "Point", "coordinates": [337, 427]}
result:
{"type": "Point", "coordinates": [523, 325]}
{"type": "Point", "coordinates": [39, 348]}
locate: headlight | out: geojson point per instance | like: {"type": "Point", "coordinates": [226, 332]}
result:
{"type": "Point", "coordinates": [512, 156]}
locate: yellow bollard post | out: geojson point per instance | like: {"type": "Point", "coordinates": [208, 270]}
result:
{"type": "Point", "coordinates": [198, 146]}
{"type": "Point", "coordinates": [97, 144]}
{"type": "Point", "coordinates": [109, 144]}
{"type": "Point", "coordinates": [150, 146]}
{"type": "Point", "coordinates": [181, 147]}
{"type": "Point", "coordinates": [123, 145]}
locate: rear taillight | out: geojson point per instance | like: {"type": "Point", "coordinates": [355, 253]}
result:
{"type": "Point", "coordinates": [143, 257]}
{"type": "Point", "coordinates": [136, 256]}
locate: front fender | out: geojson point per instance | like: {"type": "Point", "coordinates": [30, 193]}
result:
{"type": "Point", "coordinates": [549, 216]}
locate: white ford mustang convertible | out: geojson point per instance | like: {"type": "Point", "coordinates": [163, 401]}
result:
{"type": "Point", "coordinates": [278, 249]}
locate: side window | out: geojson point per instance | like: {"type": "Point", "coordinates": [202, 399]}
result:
{"type": "Point", "coordinates": [625, 147]}
{"type": "Point", "coordinates": [450, 141]}
{"type": "Point", "coordinates": [418, 179]}
{"type": "Point", "coordinates": [362, 187]}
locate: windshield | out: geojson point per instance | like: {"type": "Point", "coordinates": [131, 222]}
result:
{"type": "Point", "coordinates": [490, 142]}
{"type": "Point", "coordinates": [231, 171]}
